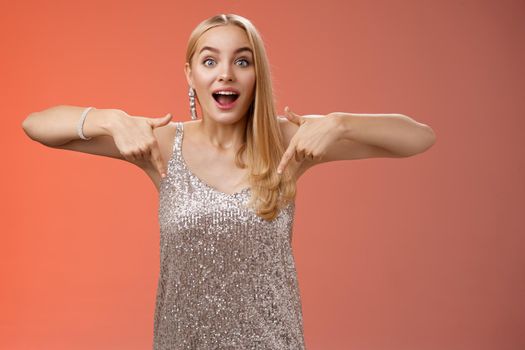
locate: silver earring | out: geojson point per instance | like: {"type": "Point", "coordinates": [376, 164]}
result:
{"type": "Point", "coordinates": [193, 111]}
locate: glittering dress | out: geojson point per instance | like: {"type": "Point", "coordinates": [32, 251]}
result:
{"type": "Point", "coordinates": [227, 277]}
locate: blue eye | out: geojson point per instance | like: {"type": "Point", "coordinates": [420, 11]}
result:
{"type": "Point", "coordinates": [204, 62]}
{"type": "Point", "coordinates": [245, 60]}
{"type": "Point", "coordinates": [242, 59]}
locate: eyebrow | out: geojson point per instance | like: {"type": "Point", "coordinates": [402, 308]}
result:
{"type": "Point", "coordinates": [244, 48]}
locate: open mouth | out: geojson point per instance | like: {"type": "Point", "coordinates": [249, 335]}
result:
{"type": "Point", "coordinates": [225, 100]}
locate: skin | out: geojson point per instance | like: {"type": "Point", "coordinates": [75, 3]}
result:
{"type": "Point", "coordinates": [210, 143]}
{"type": "Point", "coordinates": [211, 70]}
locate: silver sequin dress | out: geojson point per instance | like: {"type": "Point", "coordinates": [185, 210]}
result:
{"type": "Point", "coordinates": [227, 277]}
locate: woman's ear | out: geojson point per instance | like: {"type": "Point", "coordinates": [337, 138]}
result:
{"type": "Point", "coordinates": [187, 72]}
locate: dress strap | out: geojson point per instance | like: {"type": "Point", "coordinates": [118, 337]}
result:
{"type": "Point", "coordinates": [177, 143]}
{"type": "Point", "coordinates": [175, 156]}
{"type": "Point", "coordinates": [178, 138]}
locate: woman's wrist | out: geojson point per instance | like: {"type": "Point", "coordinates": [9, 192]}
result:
{"type": "Point", "coordinates": [342, 124]}
{"type": "Point", "coordinates": [101, 121]}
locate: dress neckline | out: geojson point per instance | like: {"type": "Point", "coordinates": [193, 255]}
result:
{"type": "Point", "coordinates": [197, 178]}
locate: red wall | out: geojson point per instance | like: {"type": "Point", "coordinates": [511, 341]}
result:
{"type": "Point", "coordinates": [424, 252]}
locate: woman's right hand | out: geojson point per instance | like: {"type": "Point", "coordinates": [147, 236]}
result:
{"type": "Point", "coordinates": [136, 141]}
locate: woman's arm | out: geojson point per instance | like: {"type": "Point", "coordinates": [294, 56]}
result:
{"type": "Point", "coordinates": [398, 134]}
{"type": "Point", "coordinates": [316, 139]}
{"type": "Point", "coordinates": [113, 133]}
{"type": "Point", "coordinates": [57, 125]}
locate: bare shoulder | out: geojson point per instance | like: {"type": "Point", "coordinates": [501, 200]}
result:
{"type": "Point", "coordinates": [165, 138]}
{"type": "Point", "coordinates": [288, 129]}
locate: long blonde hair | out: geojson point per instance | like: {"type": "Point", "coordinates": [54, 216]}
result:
{"type": "Point", "coordinates": [262, 142]}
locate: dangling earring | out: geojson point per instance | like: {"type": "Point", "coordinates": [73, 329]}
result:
{"type": "Point", "coordinates": [193, 111]}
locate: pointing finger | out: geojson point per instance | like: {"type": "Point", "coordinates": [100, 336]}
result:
{"type": "Point", "coordinates": [156, 160]}
{"type": "Point", "coordinates": [286, 158]}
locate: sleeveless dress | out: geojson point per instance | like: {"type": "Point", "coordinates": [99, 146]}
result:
{"type": "Point", "coordinates": [227, 277]}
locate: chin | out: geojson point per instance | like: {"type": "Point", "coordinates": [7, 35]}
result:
{"type": "Point", "coordinates": [228, 117]}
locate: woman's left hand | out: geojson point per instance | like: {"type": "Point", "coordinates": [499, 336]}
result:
{"type": "Point", "coordinates": [311, 140]}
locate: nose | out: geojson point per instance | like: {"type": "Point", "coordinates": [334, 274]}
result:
{"type": "Point", "coordinates": [226, 74]}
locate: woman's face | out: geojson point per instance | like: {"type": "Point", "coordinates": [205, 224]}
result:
{"type": "Point", "coordinates": [223, 59]}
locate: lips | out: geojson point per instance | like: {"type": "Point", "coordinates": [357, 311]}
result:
{"type": "Point", "coordinates": [225, 100]}
{"type": "Point", "coordinates": [227, 88]}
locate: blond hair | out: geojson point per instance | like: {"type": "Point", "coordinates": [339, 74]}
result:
{"type": "Point", "coordinates": [262, 142]}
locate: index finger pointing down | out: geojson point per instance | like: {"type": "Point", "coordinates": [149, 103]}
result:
{"type": "Point", "coordinates": [156, 160]}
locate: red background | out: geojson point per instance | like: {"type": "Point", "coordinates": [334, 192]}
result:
{"type": "Point", "coordinates": [419, 253]}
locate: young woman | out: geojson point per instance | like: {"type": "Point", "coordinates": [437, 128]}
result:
{"type": "Point", "coordinates": [226, 187]}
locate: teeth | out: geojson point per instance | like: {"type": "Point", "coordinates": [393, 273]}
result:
{"type": "Point", "coordinates": [226, 93]}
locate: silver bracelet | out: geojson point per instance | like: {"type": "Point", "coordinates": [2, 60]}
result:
{"type": "Point", "coordinates": [81, 124]}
